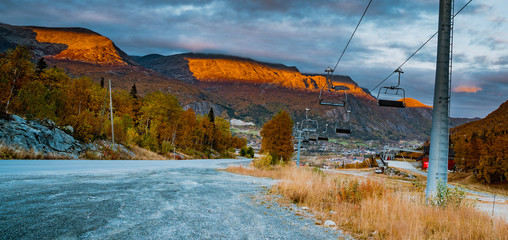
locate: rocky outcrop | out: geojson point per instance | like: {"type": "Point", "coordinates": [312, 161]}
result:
{"type": "Point", "coordinates": [40, 136]}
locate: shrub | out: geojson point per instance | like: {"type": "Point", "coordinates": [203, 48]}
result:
{"type": "Point", "coordinates": [263, 162]}
{"type": "Point", "coordinates": [447, 197]}
{"type": "Point", "coordinates": [354, 190]}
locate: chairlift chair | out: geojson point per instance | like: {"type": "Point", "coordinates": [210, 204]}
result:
{"type": "Point", "coordinates": [344, 126]}
{"type": "Point", "coordinates": [392, 96]}
{"type": "Point", "coordinates": [324, 134]}
{"type": "Point", "coordinates": [310, 128]}
{"type": "Point", "coordinates": [331, 95]}
{"type": "Point", "coordinates": [309, 125]}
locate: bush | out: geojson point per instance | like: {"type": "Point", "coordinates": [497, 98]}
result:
{"type": "Point", "coordinates": [263, 162]}
{"type": "Point", "coordinates": [354, 190]}
{"type": "Point", "coordinates": [247, 152]}
{"type": "Point", "coordinates": [447, 197]}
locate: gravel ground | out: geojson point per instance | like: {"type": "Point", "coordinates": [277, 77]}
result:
{"type": "Point", "coordinates": [141, 200]}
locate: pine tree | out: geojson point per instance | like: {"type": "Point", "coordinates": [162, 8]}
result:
{"type": "Point", "coordinates": [41, 66]}
{"type": "Point", "coordinates": [211, 115]}
{"type": "Point", "coordinates": [134, 92]}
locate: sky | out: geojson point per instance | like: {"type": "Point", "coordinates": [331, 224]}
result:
{"type": "Point", "coordinates": [307, 34]}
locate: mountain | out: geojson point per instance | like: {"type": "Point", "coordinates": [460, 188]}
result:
{"type": "Point", "coordinates": [256, 90]}
{"type": "Point", "coordinates": [234, 86]}
{"type": "Point", "coordinates": [218, 68]}
{"type": "Point", "coordinates": [76, 44]}
{"type": "Point", "coordinates": [82, 52]}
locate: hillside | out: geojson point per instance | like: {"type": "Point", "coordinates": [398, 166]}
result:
{"type": "Point", "coordinates": [482, 146]}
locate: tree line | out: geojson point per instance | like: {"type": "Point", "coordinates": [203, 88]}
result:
{"type": "Point", "coordinates": [155, 121]}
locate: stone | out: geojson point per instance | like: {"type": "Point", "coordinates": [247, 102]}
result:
{"type": "Point", "coordinates": [68, 129]}
{"type": "Point", "coordinates": [330, 224]}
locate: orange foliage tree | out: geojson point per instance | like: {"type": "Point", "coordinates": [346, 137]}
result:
{"type": "Point", "coordinates": [277, 138]}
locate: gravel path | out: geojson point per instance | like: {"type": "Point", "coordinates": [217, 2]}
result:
{"type": "Point", "coordinates": [141, 200]}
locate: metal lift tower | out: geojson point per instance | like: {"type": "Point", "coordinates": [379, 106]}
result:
{"type": "Point", "coordinates": [439, 135]}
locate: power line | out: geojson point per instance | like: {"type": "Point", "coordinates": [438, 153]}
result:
{"type": "Point", "coordinates": [356, 28]}
{"type": "Point", "coordinates": [423, 45]}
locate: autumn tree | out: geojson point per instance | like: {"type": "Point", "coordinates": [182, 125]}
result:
{"type": "Point", "coordinates": [277, 138]}
{"type": "Point", "coordinates": [15, 71]}
{"type": "Point", "coordinates": [187, 130]}
{"type": "Point", "coordinates": [156, 108]}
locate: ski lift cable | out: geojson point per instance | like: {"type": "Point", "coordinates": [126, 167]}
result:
{"type": "Point", "coordinates": [356, 28]}
{"type": "Point", "coordinates": [423, 45]}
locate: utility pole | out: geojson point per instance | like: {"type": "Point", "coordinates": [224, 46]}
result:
{"type": "Point", "coordinates": [111, 111]}
{"type": "Point", "coordinates": [439, 135]}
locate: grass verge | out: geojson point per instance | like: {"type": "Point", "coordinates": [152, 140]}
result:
{"type": "Point", "coordinates": [371, 209]}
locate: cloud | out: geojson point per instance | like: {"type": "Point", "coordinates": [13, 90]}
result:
{"type": "Point", "coordinates": [467, 89]}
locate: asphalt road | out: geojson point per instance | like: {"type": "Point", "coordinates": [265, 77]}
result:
{"type": "Point", "coordinates": [141, 200]}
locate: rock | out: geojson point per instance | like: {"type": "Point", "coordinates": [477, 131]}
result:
{"type": "Point", "coordinates": [68, 129]}
{"type": "Point", "coordinates": [48, 123]}
{"type": "Point", "coordinates": [333, 212]}
{"type": "Point", "coordinates": [305, 208]}
{"type": "Point", "coordinates": [330, 224]}
{"type": "Point", "coordinates": [38, 136]}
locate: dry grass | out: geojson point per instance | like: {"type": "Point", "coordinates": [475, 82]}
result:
{"type": "Point", "coordinates": [8, 152]}
{"type": "Point", "coordinates": [144, 154]}
{"type": "Point", "coordinates": [274, 174]}
{"type": "Point", "coordinates": [370, 209]}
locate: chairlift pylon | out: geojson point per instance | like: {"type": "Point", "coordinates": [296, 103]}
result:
{"type": "Point", "coordinates": [392, 96]}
